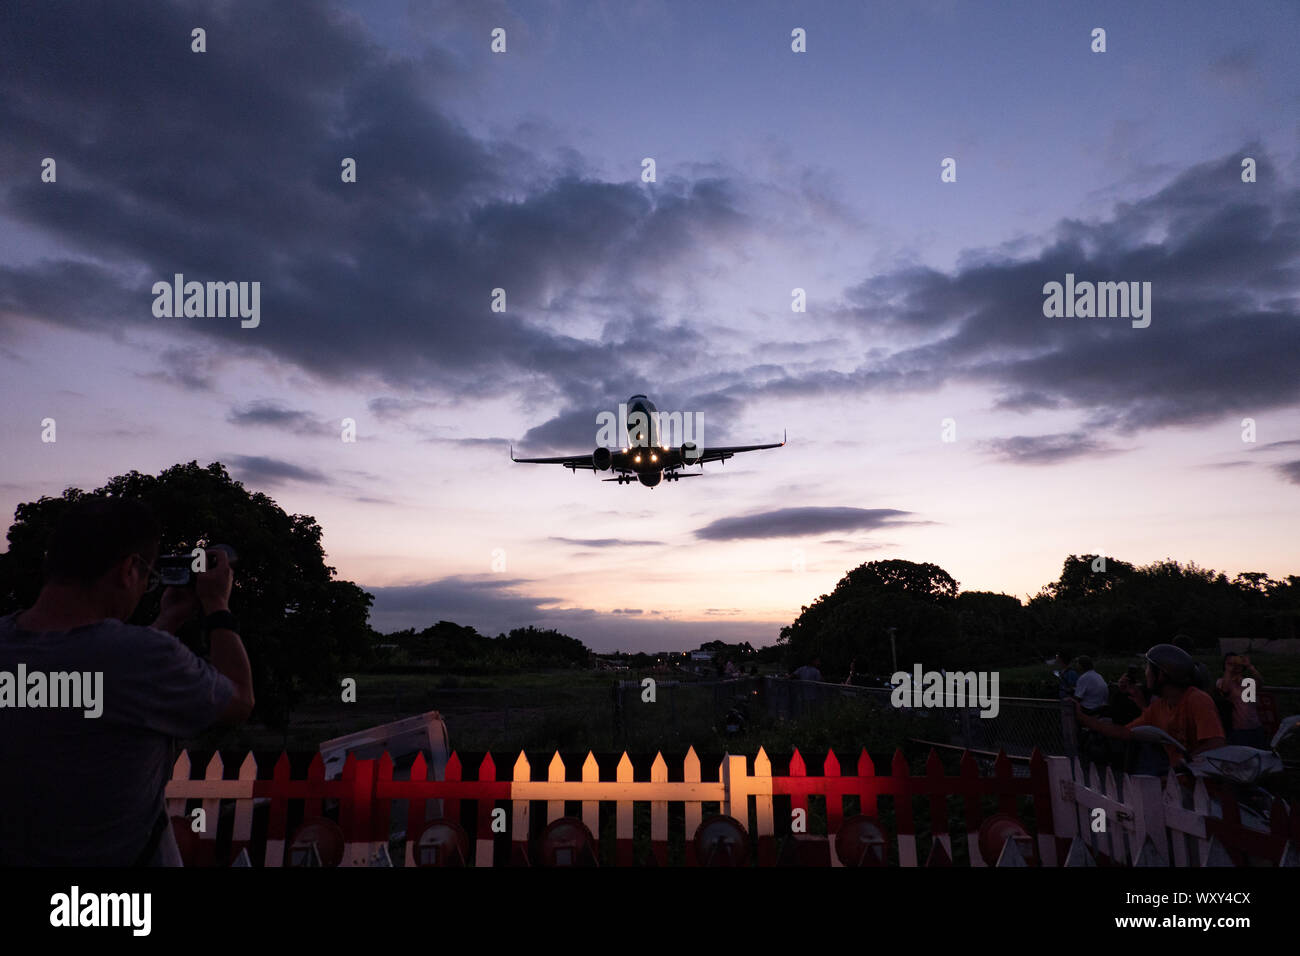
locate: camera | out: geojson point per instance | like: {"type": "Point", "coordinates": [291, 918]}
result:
{"type": "Point", "coordinates": [177, 570]}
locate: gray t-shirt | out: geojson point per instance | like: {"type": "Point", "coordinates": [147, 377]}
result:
{"type": "Point", "coordinates": [85, 791]}
{"type": "Point", "coordinates": [1092, 690]}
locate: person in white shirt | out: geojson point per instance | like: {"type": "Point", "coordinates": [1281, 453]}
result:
{"type": "Point", "coordinates": [1090, 688]}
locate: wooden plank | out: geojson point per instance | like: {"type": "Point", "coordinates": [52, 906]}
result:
{"type": "Point", "coordinates": [241, 835]}
{"type": "Point", "coordinates": [211, 813]}
{"type": "Point", "coordinates": [555, 774]}
{"type": "Point", "coordinates": [1147, 800]}
{"type": "Point", "coordinates": [938, 804]}
{"type": "Point", "coordinates": [1047, 848]}
{"type": "Point", "coordinates": [520, 808]}
{"type": "Point", "coordinates": [659, 813]}
{"type": "Point", "coordinates": [623, 790]}
{"type": "Point", "coordinates": [765, 823]}
{"type": "Point", "coordinates": [279, 811]}
{"type": "Point", "coordinates": [591, 808]}
{"type": "Point", "coordinates": [1174, 816]}
{"type": "Point", "coordinates": [623, 833]}
{"type": "Point", "coordinates": [694, 812]}
{"type": "Point", "coordinates": [485, 839]}
{"type": "Point", "coordinates": [903, 812]}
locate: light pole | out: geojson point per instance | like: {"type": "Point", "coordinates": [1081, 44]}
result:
{"type": "Point", "coordinates": [893, 651]}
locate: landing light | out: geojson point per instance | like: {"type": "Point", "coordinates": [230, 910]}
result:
{"type": "Point", "coordinates": [637, 459]}
{"type": "Point", "coordinates": [654, 457]}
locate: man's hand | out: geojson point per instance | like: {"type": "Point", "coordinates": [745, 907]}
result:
{"type": "Point", "coordinates": [178, 606]}
{"type": "Point", "coordinates": [213, 585]}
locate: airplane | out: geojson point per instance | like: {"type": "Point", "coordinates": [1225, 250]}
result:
{"type": "Point", "coordinates": [646, 459]}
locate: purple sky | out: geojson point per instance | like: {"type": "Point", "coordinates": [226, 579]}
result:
{"type": "Point", "coordinates": [775, 170]}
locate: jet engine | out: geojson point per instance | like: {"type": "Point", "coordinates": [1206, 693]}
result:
{"type": "Point", "coordinates": [690, 452]}
{"type": "Point", "coordinates": [600, 459]}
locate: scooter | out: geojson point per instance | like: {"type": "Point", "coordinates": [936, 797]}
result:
{"type": "Point", "coordinates": [1239, 770]}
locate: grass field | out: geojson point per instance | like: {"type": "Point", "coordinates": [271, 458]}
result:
{"type": "Point", "coordinates": [574, 710]}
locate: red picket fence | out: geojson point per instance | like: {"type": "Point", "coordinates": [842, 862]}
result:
{"type": "Point", "coordinates": [1039, 817]}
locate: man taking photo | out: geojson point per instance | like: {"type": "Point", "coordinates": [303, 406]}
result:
{"type": "Point", "coordinates": [83, 788]}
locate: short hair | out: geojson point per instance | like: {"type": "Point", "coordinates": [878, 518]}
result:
{"type": "Point", "coordinates": [1085, 662]}
{"type": "Point", "coordinates": [95, 533]}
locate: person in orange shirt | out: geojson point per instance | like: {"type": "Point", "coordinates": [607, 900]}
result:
{"type": "Point", "coordinates": [1177, 707]}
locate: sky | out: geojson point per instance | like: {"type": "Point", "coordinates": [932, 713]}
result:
{"type": "Point", "coordinates": [934, 411]}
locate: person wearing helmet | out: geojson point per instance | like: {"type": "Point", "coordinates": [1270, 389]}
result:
{"type": "Point", "coordinates": [1178, 706]}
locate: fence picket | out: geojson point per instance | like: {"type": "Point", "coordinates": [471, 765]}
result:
{"type": "Point", "coordinates": [903, 810]}
{"type": "Point", "coordinates": [623, 849]}
{"type": "Point", "coordinates": [764, 825]}
{"type": "Point", "coordinates": [694, 813]}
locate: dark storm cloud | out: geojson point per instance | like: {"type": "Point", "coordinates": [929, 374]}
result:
{"type": "Point", "coordinates": [277, 416]}
{"type": "Point", "coordinates": [225, 166]}
{"type": "Point", "coordinates": [263, 471]}
{"type": "Point", "coordinates": [1223, 258]}
{"type": "Point", "coordinates": [1045, 449]}
{"type": "Point", "coordinates": [795, 522]}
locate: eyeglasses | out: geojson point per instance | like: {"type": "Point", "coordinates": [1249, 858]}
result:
{"type": "Point", "coordinates": [154, 578]}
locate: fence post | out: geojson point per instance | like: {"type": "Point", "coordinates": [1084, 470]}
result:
{"type": "Point", "coordinates": [1069, 729]}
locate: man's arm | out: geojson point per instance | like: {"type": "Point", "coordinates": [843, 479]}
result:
{"type": "Point", "coordinates": [226, 649]}
{"type": "Point", "coordinates": [1103, 727]}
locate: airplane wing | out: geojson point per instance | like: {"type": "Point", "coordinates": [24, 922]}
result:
{"type": "Point", "coordinates": [716, 453]}
{"type": "Point", "coordinates": [618, 461]}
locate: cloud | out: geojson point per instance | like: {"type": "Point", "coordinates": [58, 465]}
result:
{"type": "Point", "coordinates": [261, 470]}
{"type": "Point", "coordinates": [275, 415]}
{"type": "Point", "coordinates": [1290, 470]}
{"type": "Point", "coordinates": [1045, 449]}
{"type": "Point", "coordinates": [189, 369]}
{"type": "Point", "coordinates": [798, 522]}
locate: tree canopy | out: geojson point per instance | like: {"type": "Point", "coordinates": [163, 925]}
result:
{"type": "Point", "coordinates": [1094, 606]}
